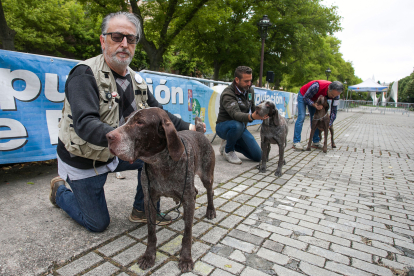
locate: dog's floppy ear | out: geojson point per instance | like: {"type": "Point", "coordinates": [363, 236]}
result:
{"type": "Point", "coordinates": [274, 113]}
{"type": "Point", "coordinates": [174, 144]}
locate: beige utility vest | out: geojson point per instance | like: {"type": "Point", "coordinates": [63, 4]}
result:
{"type": "Point", "coordinates": [108, 109]}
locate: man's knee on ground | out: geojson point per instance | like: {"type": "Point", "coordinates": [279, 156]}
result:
{"type": "Point", "coordinates": [97, 226]}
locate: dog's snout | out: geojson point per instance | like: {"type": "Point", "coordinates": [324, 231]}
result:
{"type": "Point", "coordinates": [111, 136]}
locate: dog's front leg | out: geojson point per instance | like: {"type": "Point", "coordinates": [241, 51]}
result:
{"type": "Point", "coordinates": [186, 262]}
{"type": "Point", "coordinates": [281, 161]}
{"type": "Point", "coordinates": [265, 154]}
{"type": "Point", "coordinates": [147, 260]}
{"type": "Point", "coordinates": [332, 136]}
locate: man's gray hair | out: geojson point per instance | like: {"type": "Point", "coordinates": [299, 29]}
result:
{"type": "Point", "coordinates": [336, 85]}
{"type": "Point", "coordinates": [242, 70]}
{"type": "Point", "coordinates": [130, 16]}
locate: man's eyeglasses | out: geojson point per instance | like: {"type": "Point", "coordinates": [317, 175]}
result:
{"type": "Point", "coordinates": [118, 37]}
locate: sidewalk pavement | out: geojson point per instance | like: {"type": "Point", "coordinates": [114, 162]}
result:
{"type": "Point", "coordinates": [349, 211]}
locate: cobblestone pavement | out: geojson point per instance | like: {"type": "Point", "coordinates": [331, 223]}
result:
{"type": "Point", "coordinates": [349, 211]}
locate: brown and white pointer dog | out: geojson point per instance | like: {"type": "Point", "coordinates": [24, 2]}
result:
{"type": "Point", "coordinates": [172, 159]}
{"type": "Point", "coordinates": [274, 130]}
{"type": "Point", "coordinates": [320, 121]}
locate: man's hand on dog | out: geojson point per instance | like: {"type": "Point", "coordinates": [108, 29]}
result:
{"type": "Point", "coordinates": [193, 127]}
{"type": "Point", "coordinates": [317, 106]}
{"type": "Point", "coordinates": [256, 116]}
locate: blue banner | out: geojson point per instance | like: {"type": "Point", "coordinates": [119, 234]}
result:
{"type": "Point", "coordinates": [32, 93]}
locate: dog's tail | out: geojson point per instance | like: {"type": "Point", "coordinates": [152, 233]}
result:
{"type": "Point", "coordinates": [199, 124]}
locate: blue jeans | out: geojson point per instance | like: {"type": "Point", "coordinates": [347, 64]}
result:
{"type": "Point", "coordinates": [86, 203]}
{"type": "Point", "coordinates": [239, 139]}
{"type": "Point", "coordinates": [301, 118]}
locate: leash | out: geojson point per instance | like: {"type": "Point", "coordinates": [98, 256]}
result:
{"type": "Point", "coordinates": [176, 209]}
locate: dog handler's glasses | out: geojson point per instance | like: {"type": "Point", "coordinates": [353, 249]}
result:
{"type": "Point", "coordinates": [118, 37]}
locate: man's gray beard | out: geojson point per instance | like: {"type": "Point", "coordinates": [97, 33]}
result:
{"type": "Point", "coordinates": [120, 62]}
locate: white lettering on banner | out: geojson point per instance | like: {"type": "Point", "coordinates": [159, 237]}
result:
{"type": "Point", "coordinates": [8, 94]}
{"type": "Point", "coordinates": [16, 130]}
{"type": "Point", "coordinates": [157, 94]}
{"type": "Point", "coordinates": [174, 92]}
{"type": "Point", "coordinates": [264, 97]}
{"type": "Point", "coordinates": [52, 88]}
{"type": "Point", "coordinates": [52, 118]}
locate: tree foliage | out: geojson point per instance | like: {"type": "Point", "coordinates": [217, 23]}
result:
{"type": "Point", "coordinates": [194, 37]}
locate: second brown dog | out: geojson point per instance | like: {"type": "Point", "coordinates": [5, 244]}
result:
{"type": "Point", "coordinates": [320, 121]}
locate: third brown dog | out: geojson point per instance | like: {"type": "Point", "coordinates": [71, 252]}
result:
{"type": "Point", "coordinates": [321, 121]}
{"type": "Point", "coordinates": [274, 130]}
{"type": "Point", "coordinates": [172, 159]}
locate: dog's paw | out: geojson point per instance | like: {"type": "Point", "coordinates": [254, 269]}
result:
{"type": "Point", "coordinates": [278, 173]}
{"type": "Point", "coordinates": [333, 146]}
{"type": "Point", "coordinates": [211, 213]}
{"type": "Point", "coordinates": [325, 150]}
{"type": "Point", "coordinates": [185, 265]}
{"type": "Point", "coordinates": [308, 149]}
{"type": "Point", "coordinates": [146, 261]}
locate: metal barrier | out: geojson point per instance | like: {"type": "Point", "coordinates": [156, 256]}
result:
{"type": "Point", "coordinates": [381, 107]}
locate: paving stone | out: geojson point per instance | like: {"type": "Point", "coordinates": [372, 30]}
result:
{"type": "Point", "coordinates": [200, 228]}
{"type": "Point", "coordinates": [288, 241]}
{"type": "Point", "coordinates": [279, 181]}
{"type": "Point", "coordinates": [240, 179]}
{"type": "Point", "coordinates": [218, 201]}
{"type": "Point", "coordinates": [238, 256]}
{"type": "Point", "coordinates": [264, 193]}
{"type": "Point", "coordinates": [280, 270]}
{"type": "Point", "coordinates": [116, 245]}
{"type": "Point", "coordinates": [162, 236]}
{"type": "Point", "coordinates": [275, 229]}
{"type": "Point", "coordinates": [198, 249]}
{"type": "Point", "coordinates": [240, 188]}
{"type": "Point", "coordinates": [253, 230]}
{"type": "Point", "coordinates": [106, 269]}
{"type": "Point", "coordinates": [169, 269]}
{"type": "Point", "coordinates": [159, 258]}
{"type": "Point", "coordinates": [238, 244]}
{"type": "Point", "coordinates": [244, 210]}
{"type": "Point", "coordinates": [203, 269]}
{"type": "Point", "coordinates": [140, 232]}
{"type": "Point", "coordinates": [314, 270]}
{"type": "Point", "coordinates": [255, 201]}
{"type": "Point", "coordinates": [229, 194]}
{"type": "Point", "coordinates": [214, 235]}
{"type": "Point", "coordinates": [230, 206]}
{"type": "Point", "coordinates": [297, 228]}
{"type": "Point", "coordinates": [376, 269]}
{"type": "Point", "coordinates": [273, 256]}
{"type": "Point", "coordinates": [327, 254]}
{"type": "Point", "coordinates": [131, 254]}
{"type": "Point", "coordinates": [314, 241]}
{"type": "Point", "coordinates": [223, 263]}
{"type": "Point", "coordinates": [219, 272]}
{"type": "Point", "coordinates": [274, 246]}
{"type": "Point", "coordinates": [248, 271]}
{"type": "Point", "coordinates": [172, 246]}
{"type": "Point", "coordinates": [80, 264]}
{"type": "Point", "coordinates": [304, 256]}
{"type": "Point", "coordinates": [242, 198]}
{"type": "Point", "coordinates": [250, 238]}
{"type": "Point", "coordinates": [231, 221]}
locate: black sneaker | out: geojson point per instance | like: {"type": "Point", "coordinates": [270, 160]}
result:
{"type": "Point", "coordinates": [139, 216]}
{"type": "Point", "coordinates": [55, 183]}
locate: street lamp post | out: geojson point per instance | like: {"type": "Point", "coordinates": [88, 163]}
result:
{"type": "Point", "coordinates": [327, 72]}
{"type": "Point", "coordinates": [263, 24]}
{"type": "Point", "coordinates": [346, 90]}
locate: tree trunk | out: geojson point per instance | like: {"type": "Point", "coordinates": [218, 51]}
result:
{"type": "Point", "coordinates": [217, 66]}
{"type": "Point", "coordinates": [6, 34]}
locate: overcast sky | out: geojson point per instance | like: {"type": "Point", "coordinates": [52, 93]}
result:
{"type": "Point", "coordinates": [377, 37]}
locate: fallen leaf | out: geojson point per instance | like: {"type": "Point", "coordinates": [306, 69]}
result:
{"type": "Point", "coordinates": [30, 183]}
{"type": "Point", "coordinates": [228, 265]}
{"type": "Point", "coordinates": [390, 167]}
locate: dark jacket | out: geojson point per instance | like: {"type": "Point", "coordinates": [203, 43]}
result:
{"type": "Point", "coordinates": [235, 106]}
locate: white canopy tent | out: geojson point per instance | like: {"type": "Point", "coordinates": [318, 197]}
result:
{"type": "Point", "coordinates": [369, 86]}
